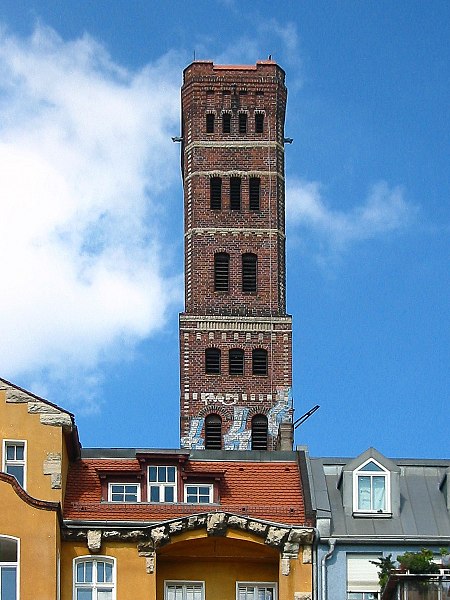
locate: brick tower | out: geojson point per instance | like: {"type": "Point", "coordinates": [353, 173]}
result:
{"type": "Point", "coordinates": [235, 335]}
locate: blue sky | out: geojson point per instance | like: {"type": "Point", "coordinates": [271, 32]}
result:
{"type": "Point", "coordinates": [92, 233]}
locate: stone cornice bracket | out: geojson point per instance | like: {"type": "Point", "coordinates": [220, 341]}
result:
{"type": "Point", "coordinates": [94, 540]}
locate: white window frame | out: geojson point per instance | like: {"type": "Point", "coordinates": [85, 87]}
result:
{"type": "Point", "coordinates": [257, 585]}
{"type": "Point", "coordinates": [183, 584]}
{"type": "Point", "coordinates": [15, 564]}
{"type": "Point", "coordinates": [209, 486]}
{"type": "Point", "coordinates": [94, 586]}
{"type": "Point", "coordinates": [383, 474]}
{"type": "Point", "coordinates": [162, 485]}
{"type": "Point", "coordinates": [124, 484]}
{"type": "Point", "coordinates": [15, 463]}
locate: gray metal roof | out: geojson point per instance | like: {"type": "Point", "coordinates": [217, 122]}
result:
{"type": "Point", "coordinates": [424, 502]}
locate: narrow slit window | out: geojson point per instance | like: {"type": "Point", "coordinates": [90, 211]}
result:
{"type": "Point", "coordinates": [249, 273]}
{"type": "Point", "coordinates": [259, 122]}
{"type": "Point", "coordinates": [254, 193]}
{"type": "Point", "coordinates": [210, 123]}
{"type": "Point", "coordinates": [259, 432]}
{"type": "Point", "coordinates": [212, 361]}
{"type": "Point", "coordinates": [215, 193]}
{"type": "Point", "coordinates": [213, 432]}
{"type": "Point", "coordinates": [236, 361]}
{"type": "Point", "coordinates": [259, 361]}
{"type": "Point", "coordinates": [242, 122]}
{"type": "Point", "coordinates": [226, 123]}
{"type": "Point", "coordinates": [235, 193]}
{"type": "Point", "coordinates": [221, 272]}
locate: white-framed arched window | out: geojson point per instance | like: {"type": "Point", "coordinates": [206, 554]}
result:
{"type": "Point", "coordinates": [94, 578]}
{"type": "Point", "coordinates": [9, 568]}
{"type": "Point", "coordinates": [371, 488]}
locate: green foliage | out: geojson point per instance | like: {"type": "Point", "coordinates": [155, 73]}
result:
{"type": "Point", "coordinates": [418, 562]}
{"type": "Point", "coordinates": [385, 566]}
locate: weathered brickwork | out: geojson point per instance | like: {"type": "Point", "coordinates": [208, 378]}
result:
{"type": "Point", "coordinates": [246, 143]}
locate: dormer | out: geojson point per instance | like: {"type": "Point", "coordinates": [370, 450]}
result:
{"type": "Point", "coordinates": [370, 486]}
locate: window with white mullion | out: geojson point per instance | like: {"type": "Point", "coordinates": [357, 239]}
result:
{"type": "Point", "coordinates": [94, 578]}
{"type": "Point", "coordinates": [124, 492]}
{"type": "Point", "coordinates": [198, 494]}
{"type": "Point", "coordinates": [14, 459]}
{"type": "Point", "coordinates": [184, 590]}
{"type": "Point", "coordinates": [371, 485]}
{"type": "Point", "coordinates": [8, 568]}
{"type": "Point", "coordinates": [162, 484]}
{"type": "Point", "coordinates": [255, 591]}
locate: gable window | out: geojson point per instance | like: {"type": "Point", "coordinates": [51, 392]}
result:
{"type": "Point", "coordinates": [215, 193]}
{"type": "Point", "coordinates": [259, 361]}
{"type": "Point", "coordinates": [236, 361]}
{"type": "Point", "coordinates": [221, 272]}
{"type": "Point", "coordinates": [198, 494]}
{"type": "Point", "coordinates": [371, 488]}
{"type": "Point", "coordinates": [242, 122]}
{"type": "Point", "coordinates": [94, 578]}
{"type": "Point", "coordinates": [254, 187]}
{"type": "Point", "coordinates": [249, 271]}
{"type": "Point", "coordinates": [213, 432]}
{"type": "Point", "coordinates": [162, 486]}
{"type": "Point", "coordinates": [209, 123]}
{"type": "Point", "coordinates": [212, 361]}
{"type": "Point", "coordinates": [8, 568]}
{"type": "Point", "coordinates": [14, 460]}
{"type": "Point", "coordinates": [235, 193]}
{"type": "Point", "coordinates": [124, 492]}
{"type": "Point", "coordinates": [255, 591]}
{"type": "Point", "coordinates": [259, 432]}
{"type": "Point", "coordinates": [226, 123]}
{"type": "Point", "coordinates": [184, 590]}
{"type": "Point", "coordinates": [259, 122]}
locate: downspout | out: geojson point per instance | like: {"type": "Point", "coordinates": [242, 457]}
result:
{"type": "Point", "coordinates": [332, 544]}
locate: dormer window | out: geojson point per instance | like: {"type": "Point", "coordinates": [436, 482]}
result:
{"type": "Point", "coordinates": [371, 488]}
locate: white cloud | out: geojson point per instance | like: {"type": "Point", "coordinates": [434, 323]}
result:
{"type": "Point", "coordinates": [81, 139]}
{"type": "Point", "coordinates": [384, 210]}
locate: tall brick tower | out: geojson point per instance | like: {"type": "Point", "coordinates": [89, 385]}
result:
{"type": "Point", "coordinates": [235, 335]}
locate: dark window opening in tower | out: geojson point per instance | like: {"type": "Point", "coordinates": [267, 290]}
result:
{"type": "Point", "coordinates": [235, 193]}
{"type": "Point", "coordinates": [236, 361]}
{"type": "Point", "coordinates": [221, 272]}
{"type": "Point", "coordinates": [254, 187]}
{"type": "Point", "coordinates": [259, 432]}
{"type": "Point", "coordinates": [215, 193]}
{"type": "Point", "coordinates": [209, 123]}
{"type": "Point", "coordinates": [213, 432]}
{"type": "Point", "coordinates": [259, 361]}
{"type": "Point", "coordinates": [212, 361]}
{"type": "Point", "coordinates": [249, 273]}
{"type": "Point", "coordinates": [242, 122]}
{"type": "Point", "coordinates": [226, 123]}
{"type": "Point", "coordinates": [259, 122]}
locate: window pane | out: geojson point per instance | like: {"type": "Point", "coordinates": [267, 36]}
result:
{"type": "Point", "coordinates": [10, 452]}
{"type": "Point", "coordinates": [378, 485]}
{"type": "Point", "coordinates": [364, 493]}
{"type": "Point", "coordinates": [88, 571]}
{"type": "Point", "coordinates": [84, 594]}
{"type": "Point", "coordinates": [371, 466]}
{"type": "Point", "coordinates": [152, 474]}
{"type": "Point", "coordinates": [162, 474]}
{"type": "Point", "coordinates": [8, 550]}
{"type": "Point", "coordinates": [100, 572]}
{"type": "Point", "coordinates": [19, 452]}
{"type": "Point", "coordinates": [80, 573]}
{"type": "Point", "coordinates": [8, 583]}
{"type": "Point", "coordinates": [171, 474]}
{"type": "Point", "coordinates": [154, 493]}
{"type": "Point", "coordinates": [108, 572]}
{"type": "Point", "coordinates": [104, 594]}
{"type": "Point", "coordinates": [168, 494]}
{"type": "Point", "coordinates": [16, 471]}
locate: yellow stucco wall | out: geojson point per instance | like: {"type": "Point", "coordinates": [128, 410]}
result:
{"type": "Point", "coordinates": [38, 534]}
{"type": "Point", "coordinates": [16, 423]}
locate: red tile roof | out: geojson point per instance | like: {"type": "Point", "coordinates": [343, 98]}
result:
{"type": "Point", "coordinates": [264, 490]}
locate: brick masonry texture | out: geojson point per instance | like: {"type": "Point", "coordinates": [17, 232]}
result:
{"type": "Point", "coordinates": [217, 90]}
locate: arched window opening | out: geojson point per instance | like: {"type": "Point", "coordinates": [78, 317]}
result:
{"type": "Point", "coordinates": [249, 272]}
{"type": "Point", "coordinates": [8, 568]}
{"type": "Point", "coordinates": [259, 432]}
{"type": "Point", "coordinates": [94, 578]}
{"type": "Point", "coordinates": [221, 272]}
{"type": "Point", "coordinates": [236, 361]}
{"type": "Point", "coordinates": [213, 432]}
{"type": "Point", "coordinates": [259, 361]}
{"type": "Point", "coordinates": [212, 361]}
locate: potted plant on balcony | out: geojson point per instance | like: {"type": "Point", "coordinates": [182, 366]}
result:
{"type": "Point", "coordinates": [418, 563]}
